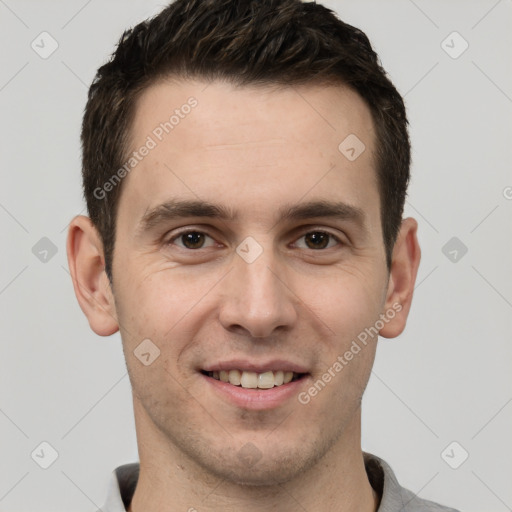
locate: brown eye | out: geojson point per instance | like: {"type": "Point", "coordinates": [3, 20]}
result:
{"type": "Point", "coordinates": [318, 240]}
{"type": "Point", "coordinates": [191, 240]}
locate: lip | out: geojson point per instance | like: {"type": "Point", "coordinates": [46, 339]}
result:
{"type": "Point", "coordinates": [256, 399]}
{"type": "Point", "coordinates": [273, 365]}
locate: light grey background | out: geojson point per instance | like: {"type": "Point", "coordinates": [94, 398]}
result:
{"type": "Point", "coordinates": [447, 378]}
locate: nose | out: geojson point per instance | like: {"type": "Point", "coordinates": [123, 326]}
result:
{"type": "Point", "coordinates": [256, 300]}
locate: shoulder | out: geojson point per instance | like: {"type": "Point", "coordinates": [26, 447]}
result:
{"type": "Point", "coordinates": [394, 497]}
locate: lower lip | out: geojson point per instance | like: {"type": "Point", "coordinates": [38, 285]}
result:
{"type": "Point", "coordinates": [257, 399]}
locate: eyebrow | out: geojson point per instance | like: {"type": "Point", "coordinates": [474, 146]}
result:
{"type": "Point", "coordinates": [179, 209]}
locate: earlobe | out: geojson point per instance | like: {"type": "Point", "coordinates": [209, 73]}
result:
{"type": "Point", "coordinates": [90, 282]}
{"type": "Point", "coordinates": [402, 278]}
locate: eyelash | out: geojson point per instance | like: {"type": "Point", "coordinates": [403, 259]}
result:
{"type": "Point", "coordinates": [322, 231]}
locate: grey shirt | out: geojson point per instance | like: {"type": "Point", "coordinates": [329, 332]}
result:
{"type": "Point", "coordinates": [394, 498]}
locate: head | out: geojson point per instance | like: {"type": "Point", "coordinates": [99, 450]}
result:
{"type": "Point", "coordinates": [296, 252]}
{"type": "Point", "coordinates": [274, 42]}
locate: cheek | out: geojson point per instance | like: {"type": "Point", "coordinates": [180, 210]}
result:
{"type": "Point", "coordinates": [347, 355]}
{"type": "Point", "coordinates": [348, 302]}
{"type": "Point", "coordinates": [167, 307]}
{"type": "Point", "coordinates": [349, 305]}
{"type": "Point", "coordinates": [157, 299]}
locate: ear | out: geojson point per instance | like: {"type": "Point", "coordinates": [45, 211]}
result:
{"type": "Point", "coordinates": [402, 277]}
{"type": "Point", "coordinates": [87, 268]}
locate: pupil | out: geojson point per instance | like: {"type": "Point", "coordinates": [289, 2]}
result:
{"type": "Point", "coordinates": [193, 240]}
{"type": "Point", "coordinates": [317, 239]}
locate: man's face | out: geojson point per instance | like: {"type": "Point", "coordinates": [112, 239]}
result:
{"type": "Point", "coordinates": [258, 289]}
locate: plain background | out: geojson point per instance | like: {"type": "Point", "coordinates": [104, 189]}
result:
{"type": "Point", "coordinates": [446, 379]}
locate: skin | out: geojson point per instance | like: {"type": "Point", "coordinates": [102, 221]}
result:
{"type": "Point", "coordinates": [250, 149]}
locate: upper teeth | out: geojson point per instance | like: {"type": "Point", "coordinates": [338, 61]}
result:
{"type": "Point", "coordinates": [254, 380]}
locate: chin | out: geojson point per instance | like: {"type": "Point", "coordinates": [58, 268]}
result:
{"type": "Point", "coordinates": [262, 474]}
{"type": "Point", "coordinates": [268, 468]}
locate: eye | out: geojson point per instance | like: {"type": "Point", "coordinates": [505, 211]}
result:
{"type": "Point", "coordinates": [318, 240]}
{"type": "Point", "coordinates": [191, 240]}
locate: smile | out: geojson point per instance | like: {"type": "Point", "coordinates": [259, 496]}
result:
{"type": "Point", "coordinates": [254, 380]}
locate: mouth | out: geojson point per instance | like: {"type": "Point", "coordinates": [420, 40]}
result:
{"type": "Point", "coordinates": [254, 380]}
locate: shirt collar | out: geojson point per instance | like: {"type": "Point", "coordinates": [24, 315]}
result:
{"type": "Point", "coordinates": [394, 498]}
{"type": "Point", "coordinates": [121, 488]}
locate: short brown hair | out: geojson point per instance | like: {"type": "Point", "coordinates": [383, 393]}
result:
{"type": "Point", "coordinates": [247, 42]}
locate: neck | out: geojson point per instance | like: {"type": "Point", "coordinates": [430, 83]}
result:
{"type": "Point", "coordinates": [171, 481]}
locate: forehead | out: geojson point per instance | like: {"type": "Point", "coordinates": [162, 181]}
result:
{"type": "Point", "coordinates": [250, 146]}
{"type": "Point", "coordinates": [220, 107]}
